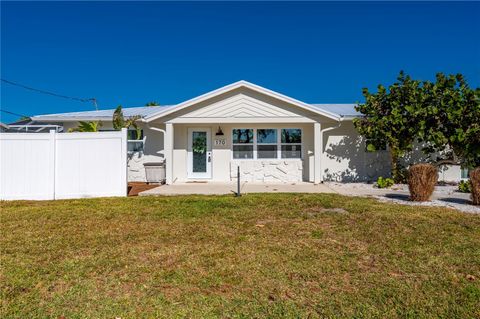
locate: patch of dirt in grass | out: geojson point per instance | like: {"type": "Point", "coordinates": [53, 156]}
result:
{"type": "Point", "coordinates": [313, 211]}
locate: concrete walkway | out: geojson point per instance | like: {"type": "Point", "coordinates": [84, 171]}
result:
{"type": "Point", "coordinates": [213, 188]}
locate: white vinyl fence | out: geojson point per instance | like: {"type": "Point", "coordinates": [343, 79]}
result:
{"type": "Point", "coordinates": [63, 165]}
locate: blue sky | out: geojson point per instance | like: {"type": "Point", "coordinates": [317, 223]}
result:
{"type": "Point", "coordinates": [132, 53]}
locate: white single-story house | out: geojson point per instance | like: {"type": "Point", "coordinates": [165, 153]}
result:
{"type": "Point", "coordinates": [270, 136]}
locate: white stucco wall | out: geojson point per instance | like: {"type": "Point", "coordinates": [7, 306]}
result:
{"type": "Point", "coordinates": [345, 158]}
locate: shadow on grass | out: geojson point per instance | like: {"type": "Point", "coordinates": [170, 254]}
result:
{"type": "Point", "coordinates": [398, 196]}
{"type": "Point", "coordinates": [455, 200]}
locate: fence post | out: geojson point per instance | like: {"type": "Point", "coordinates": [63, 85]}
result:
{"type": "Point", "coordinates": [53, 158]}
{"type": "Point", "coordinates": [238, 194]}
{"type": "Point", "coordinates": [125, 159]}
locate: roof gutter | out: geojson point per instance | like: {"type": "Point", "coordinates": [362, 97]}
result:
{"type": "Point", "coordinates": [155, 128]}
{"type": "Point", "coordinates": [340, 120]}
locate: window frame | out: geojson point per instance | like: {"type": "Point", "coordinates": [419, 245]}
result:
{"type": "Point", "coordinates": [142, 142]}
{"type": "Point", "coordinates": [253, 144]}
{"type": "Point", "coordinates": [462, 170]}
{"type": "Point", "coordinates": [296, 144]}
{"type": "Point", "coordinates": [278, 144]}
{"type": "Point", "coordinates": [256, 143]}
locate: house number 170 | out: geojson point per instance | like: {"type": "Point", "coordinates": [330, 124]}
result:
{"type": "Point", "coordinates": [220, 142]}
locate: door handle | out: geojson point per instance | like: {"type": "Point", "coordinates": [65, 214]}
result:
{"type": "Point", "coordinates": [209, 156]}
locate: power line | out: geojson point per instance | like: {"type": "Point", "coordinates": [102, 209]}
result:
{"type": "Point", "coordinates": [12, 113]}
{"type": "Point", "coordinates": [93, 100]}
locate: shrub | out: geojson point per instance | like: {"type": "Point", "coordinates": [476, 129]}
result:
{"type": "Point", "coordinates": [464, 187]}
{"type": "Point", "coordinates": [475, 185]}
{"type": "Point", "coordinates": [384, 182]}
{"type": "Point", "coordinates": [402, 175]}
{"type": "Point", "coordinates": [421, 181]}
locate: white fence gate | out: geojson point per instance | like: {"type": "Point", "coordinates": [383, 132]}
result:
{"type": "Point", "coordinates": [63, 165]}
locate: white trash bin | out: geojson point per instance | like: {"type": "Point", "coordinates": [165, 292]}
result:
{"type": "Point", "coordinates": [155, 172]}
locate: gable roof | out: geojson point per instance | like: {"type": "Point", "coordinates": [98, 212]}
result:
{"type": "Point", "coordinates": [243, 84]}
{"type": "Point", "coordinates": [150, 113]}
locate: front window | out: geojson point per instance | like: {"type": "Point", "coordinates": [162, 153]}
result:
{"type": "Point", "coordinates": [291, 143]}
{"type": "Point", "coordinates": [267, 143]}
{"type": "Point", "coordinates": [242, 143]}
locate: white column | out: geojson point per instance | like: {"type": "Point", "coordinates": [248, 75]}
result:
{"type": "Point", "coordinates": [317, 152]}
{"type": "Point", "coordinates": [168, 144]}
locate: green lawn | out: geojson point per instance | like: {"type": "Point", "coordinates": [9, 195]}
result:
{"type": "Point", "coordinates": [269, 255]}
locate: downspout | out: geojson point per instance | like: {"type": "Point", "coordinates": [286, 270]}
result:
{"type": "Point", "coordinates": [340, 120]}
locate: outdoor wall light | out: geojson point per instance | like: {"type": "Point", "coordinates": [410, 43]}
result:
{"type": "Point", "coordinates": [219, 132]}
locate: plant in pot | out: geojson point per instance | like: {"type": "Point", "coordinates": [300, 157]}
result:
{"type": "Point", "coordinates": [421, 181]}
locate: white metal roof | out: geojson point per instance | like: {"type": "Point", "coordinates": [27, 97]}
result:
{"type": "Point", "coordinates": [340, 110]}
{"type": "Point", "coordinates": [344, 110]}
{"type": "Point", "coordinates": [142, 111]}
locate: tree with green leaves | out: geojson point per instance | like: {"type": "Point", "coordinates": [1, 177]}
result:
{"type": "Point", "coordinates": [450, 121]}
{"type": "Point", "coordinates": [93, 126]}
{"type": "Point", "coordinates": [443, 116]}
{"type": "Point", "coordinates": [119, 121]}
{"type": "Point", "coordinates": [390, 118]}
{"type": "Point", "coordinates": [152, 103]}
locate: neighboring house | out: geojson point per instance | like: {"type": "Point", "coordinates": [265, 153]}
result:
{"type": "Point", "coordinates": [270, 136]}
{"type": "Point", "coordinates": [3, 127]}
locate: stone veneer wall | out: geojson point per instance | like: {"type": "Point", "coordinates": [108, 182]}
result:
{"type": "Point", "coordinates": [268, 171]}
{"type": "Point", "coordinates": [136, 171]}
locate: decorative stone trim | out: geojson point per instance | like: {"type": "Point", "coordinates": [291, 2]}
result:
{"type": "Point", "coordinates": [268, 171]}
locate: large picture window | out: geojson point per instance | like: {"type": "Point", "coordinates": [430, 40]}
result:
{"type": "Point", "coordinates": [267, 143]}
{"type": "Point", "coordinates": [242, 143]}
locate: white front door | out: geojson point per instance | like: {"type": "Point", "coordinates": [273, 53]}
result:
{"type": "Point", "coordinates": [199, 153]}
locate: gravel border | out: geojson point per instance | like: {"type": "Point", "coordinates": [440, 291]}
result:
{"type": "Point", "coordinates": [443, 196]}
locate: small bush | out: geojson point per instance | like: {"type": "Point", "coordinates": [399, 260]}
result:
{"type": "Point", "coordinates": [384, 182]}
{"type": "Point", "coordinates": [421, 181]}
{"type": "Point", "coordinates": [464, 187]}
{"type": "Point", "coordinates": [475, 185]}
{"type": "Point", "coordinates": [402, 175]}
